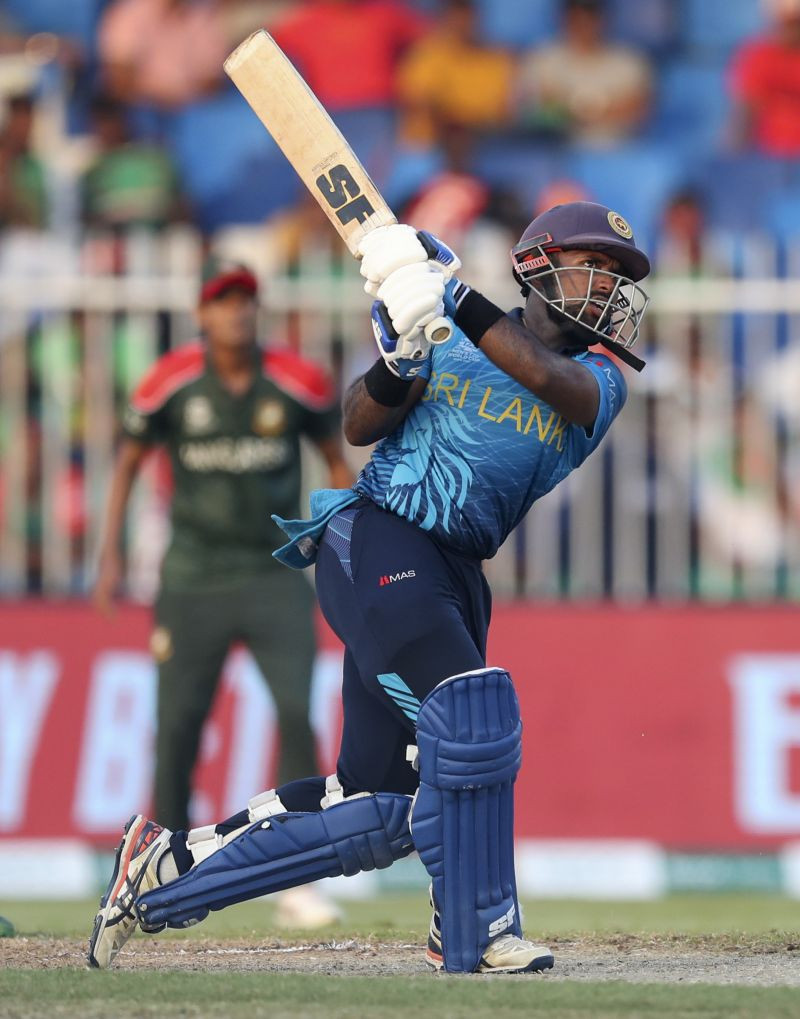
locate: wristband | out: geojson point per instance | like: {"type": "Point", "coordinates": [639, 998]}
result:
{"type": "Point", "coordinates": [475, 315]}
{"type": "Point", "coordinates": [384, 386]}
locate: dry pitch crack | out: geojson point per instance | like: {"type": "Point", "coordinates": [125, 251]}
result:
{"type": "Point", "coordinates": [728, 959]}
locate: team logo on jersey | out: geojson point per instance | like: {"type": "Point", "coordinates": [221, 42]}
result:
{"type": "Point", "coordinates": [620, 225]}
{"type": "Point", "coordinates": [198, 415]}
{"type": "Point", "coordinates": [161, 644]}
{"type": "Point", "coordinates": [135, 423]}
{"type": "Point", "coordinates": [269, 418]}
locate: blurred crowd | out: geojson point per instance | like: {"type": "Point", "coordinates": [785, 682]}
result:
{"type": "Point", "coordinates": [472, 116]}
{"type": "Point", "coordinates": [117, 112]}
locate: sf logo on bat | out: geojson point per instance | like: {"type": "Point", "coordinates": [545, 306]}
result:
{"type": "Point", "coordinates": [342, 193]}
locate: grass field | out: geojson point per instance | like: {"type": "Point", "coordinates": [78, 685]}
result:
{"type": "Point", "coordinates": [237, 964]}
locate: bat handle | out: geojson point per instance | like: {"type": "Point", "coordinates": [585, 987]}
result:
{"type": "Point", "coordinates": [439, 330]}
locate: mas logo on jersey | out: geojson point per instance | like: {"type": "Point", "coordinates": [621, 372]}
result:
{"type": "Point", "coordinates": [620, 225]}
{"type": "Point", "coordinates": [392, 578]}
{"type": "Point", "coordinates": [198, 415]}
{"type": "Point", "coordinates": [269, 418]}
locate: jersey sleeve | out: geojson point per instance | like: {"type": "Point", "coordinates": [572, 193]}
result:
{"type": "Point", "coordinates": [145, 418]}
{"type": "Point", "coordinates": [142, 422]}
{"type": "Point", "coordinates": [613, 394]}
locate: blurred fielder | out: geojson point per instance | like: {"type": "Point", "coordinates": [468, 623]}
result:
{"type": "Point", "coordinates": [472, 432]}
{"type": "Point", "coordinates": [230, 414]}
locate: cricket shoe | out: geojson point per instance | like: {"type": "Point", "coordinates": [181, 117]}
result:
{"type": "Point", "coordinates": [135, 871]}
{"type": "Point", "coordinates": [505, 954]}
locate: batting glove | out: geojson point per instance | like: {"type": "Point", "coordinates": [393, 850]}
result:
{"type": "Point", "coordinates": [454, 294]}
{"type": "Point", "coordinates": [413, 297]}
{"type": "Point", "coordinates": [406, 358]}
{"type": "Point", "coordinates": [440, 255]}
{"type": "Point", "coordinates": [389, 248]}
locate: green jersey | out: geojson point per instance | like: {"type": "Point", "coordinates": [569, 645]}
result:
{"type": "Point", "coordinates": [133, 185]}
{"type": "Point", "coordinates": [235, 458]}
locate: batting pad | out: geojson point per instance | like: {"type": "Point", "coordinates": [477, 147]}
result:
{"type": "Point", "coordinates": [362, 833]}
{"type": "Point", "coordinates": [469, 743]}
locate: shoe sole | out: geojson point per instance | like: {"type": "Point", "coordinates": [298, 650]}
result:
{"type": "Point", "coordinates": [125, 848]}
{"type": "Point", "coordinates": [537, 965]}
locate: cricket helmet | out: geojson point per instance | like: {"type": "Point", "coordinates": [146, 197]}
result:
{"type": "Point", "coordinates": [592, 227]}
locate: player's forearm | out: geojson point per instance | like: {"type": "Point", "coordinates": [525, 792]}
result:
{"type": "Point", "coordinates": [366, 420]}
{"type": "Point", "coordinates": [561, 382]}
{"type": "Point", "coordinates": [126, 467]}
{"type": "Point", "coordinates": [532, 358]}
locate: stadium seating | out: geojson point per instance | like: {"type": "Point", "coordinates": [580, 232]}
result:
{"type": "Point", "coordinates": [73, 18]}
{"type": "Point", "coordinates": [411, 168]}
{"type": "Point", "coordinates": [518, 24]}
{"type": "Point", "coordinates": [248, 178]}
{"type": "Point", "coordinates": [370, 132]}
{"type": "Point", "coordinates": [692, 107]}
{"type": "Point", "coordinates": [522, 165]}
{"type": "Point", "coordinates": [782, 215]}
{"type": "Point", "coordinates": [720, 25]}
{"type": "Point", "coordinates": [241, 181]}
{"type": "Point", "coordinates": [683, 144]}
{"type": "Point", "coordinates": [652, 25]}
{"type": "Point", "coordinates": [636, 180]}
{"type": "Point", "coordinates": [737, 188]}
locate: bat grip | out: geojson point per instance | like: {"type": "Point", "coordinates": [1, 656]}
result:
{"type": "Point", "coordinates": [439, 330]}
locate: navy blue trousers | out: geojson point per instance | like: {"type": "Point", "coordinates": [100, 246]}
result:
{"type": "Point", "coordinates": [409, 614]}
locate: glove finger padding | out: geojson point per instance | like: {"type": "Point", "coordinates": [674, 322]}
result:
{"type": "Point", "coordinates": [413, 295]}
{"type": "Point", "coordinates": [413, 346]}
{"type": "Point", "coordinates": [387, 249]}
{"type": "Point", "coordinates": [415, 315]}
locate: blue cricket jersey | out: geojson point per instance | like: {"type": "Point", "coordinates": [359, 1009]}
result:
{"type": "Point", "coordinates": [479, 449]}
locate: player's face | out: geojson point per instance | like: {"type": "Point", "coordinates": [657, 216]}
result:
{"type": "Point", "coordinates": [230, 319]}
{"type": "Point", "coordinates": [586, 282]}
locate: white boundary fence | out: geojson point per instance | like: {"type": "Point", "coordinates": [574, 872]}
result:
{"type": "Point", "coordinates": [696, 493]}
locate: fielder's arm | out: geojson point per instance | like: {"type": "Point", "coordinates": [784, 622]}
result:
{"type": "Point", "coordinates": [366, 420]}
{"type": "Point", "coordinates": [339, 473]}
{"type": "Point", "coordinates": [129, 459]}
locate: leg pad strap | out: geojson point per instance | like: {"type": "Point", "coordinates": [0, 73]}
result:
{"type": "Point", "coordinates": [203, 842]}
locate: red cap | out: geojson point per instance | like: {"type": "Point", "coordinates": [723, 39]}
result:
{"type": "Point", "coordinates": [220, 275]}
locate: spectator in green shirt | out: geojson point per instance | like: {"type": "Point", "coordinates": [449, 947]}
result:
{"type": "Point", "coordinates": [23, 188]}
{"type": "Point", "coordinates": [129, 183]}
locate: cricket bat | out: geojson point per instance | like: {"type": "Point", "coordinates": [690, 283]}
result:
{"type": "Point", "coordinates": [314, 146]}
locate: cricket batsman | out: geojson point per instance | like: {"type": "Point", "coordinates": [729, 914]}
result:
{"type": "Point", "coordinates": [469, 436]}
